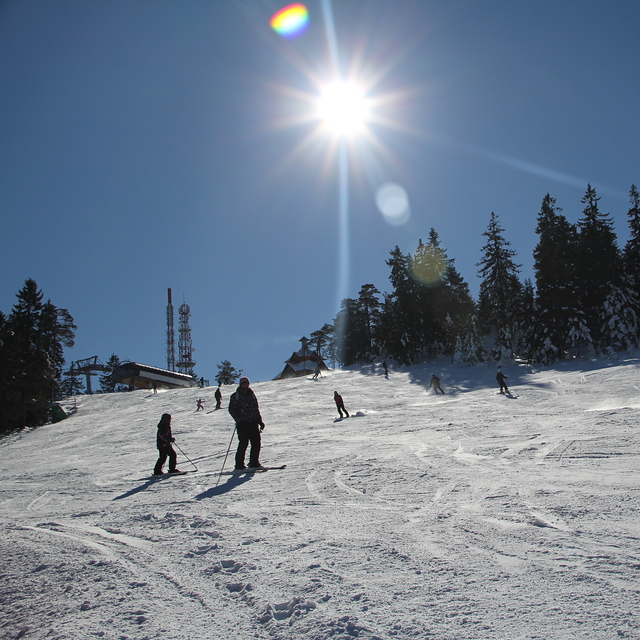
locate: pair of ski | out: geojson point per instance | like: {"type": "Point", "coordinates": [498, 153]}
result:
{"type": "Point", "coordinates": [234, 472]}
{"type": "Point", "coordinates": [168, 474]}
{"type": "Point", "coordinates": [237, 472]}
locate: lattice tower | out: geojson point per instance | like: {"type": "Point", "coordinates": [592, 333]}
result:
{"type": "Point", "coordinates": [185, 349]}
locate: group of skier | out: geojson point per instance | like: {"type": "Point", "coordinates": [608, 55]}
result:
{"type": "Point", "coordinates": [245, 411]}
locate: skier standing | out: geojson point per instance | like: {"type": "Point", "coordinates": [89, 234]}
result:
{"type": "Point", "coordinates": [244, 409]}
{"type": "Point", "coordinates": [340, 404]}
{"type": "Point", "coordinates": [163, 442]}
{"type": "Point", "coordinates": [435, 383]}
{"type": "Point", "coordinates": [200, 405]}
{"type": "Point", "coordinates": [500, 377]}
{"type": "Point", "coordinates": [218, 396]}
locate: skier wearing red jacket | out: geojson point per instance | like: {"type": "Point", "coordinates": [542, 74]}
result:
{"type": "Point", "coordinates": [340, 404]}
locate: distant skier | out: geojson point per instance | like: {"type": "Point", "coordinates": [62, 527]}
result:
{"type": "Point", "coordinates": [244, 409]}
{"type": "Point", "coordinates": [435, 383]}
{"type": "Point", "coordinates": [316, 373]}
{"type": "Point", "coordinates": [340, 404]}
{"type": "Point", "coordinates": [218, 395]}
{"type": "Point", "coordinates": [164, 440]}
{"type": "Point", "coordinates": [386, 371]}
{"type": "Point", "coordinates": [200, 405]}
{"type": "Point", "coordinates": [500, 377]}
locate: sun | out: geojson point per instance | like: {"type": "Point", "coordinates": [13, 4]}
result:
{"type": "Point", "coordinates": [343, 109]}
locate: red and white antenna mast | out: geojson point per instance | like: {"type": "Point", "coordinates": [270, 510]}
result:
{"type": "Point", "coordinates": [171, 345]}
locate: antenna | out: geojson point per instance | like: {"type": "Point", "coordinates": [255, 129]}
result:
{"type": "Point", "coordinates": [185, 350]}
{"type": "Point", "coordinates": [171, 345]}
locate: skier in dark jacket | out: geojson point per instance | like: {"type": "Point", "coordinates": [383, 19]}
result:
{"type": "Point", "coordinates": [163, 442]}
{"type": "Point", "coordinates": [218, 396]}
{"type": "Point", "coordinates": [340, 404]}
{"type": "Point", "coordinates": [244, 409]}
{"type": "Point", "coordinates": [500, 377]}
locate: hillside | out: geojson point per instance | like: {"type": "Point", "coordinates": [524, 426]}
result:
{"type": "Point", "coordinates": [465, 516]}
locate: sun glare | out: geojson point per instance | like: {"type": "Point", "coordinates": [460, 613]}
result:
{"type": "Point", "coordinates": [343, 109]}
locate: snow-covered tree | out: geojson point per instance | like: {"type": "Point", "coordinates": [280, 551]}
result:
{"type": "Point", "coordinates": [557, 298]}
{"type": "Point", "coordinates": [631, 255]}
{"type": "Point", "coordinates": [399, 322]}
{"type": "Point", "coordinates": [500, 291]}
{"type": "Point", "coordinates": [34, 336]}
{"type": "Point", "coordinates": [599, 271]}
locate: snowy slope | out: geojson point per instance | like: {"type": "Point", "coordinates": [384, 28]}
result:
{"type": "Point", "coordinates": [465, 516]}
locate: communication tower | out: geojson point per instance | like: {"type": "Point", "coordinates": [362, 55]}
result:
{"type": "Point", "coordinates": [185, 350]}
{"type": "Point", "coordinates": [171, 345]}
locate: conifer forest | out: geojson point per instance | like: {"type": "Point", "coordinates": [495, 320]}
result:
{"type": "Point", "coordinates": [584, 302]}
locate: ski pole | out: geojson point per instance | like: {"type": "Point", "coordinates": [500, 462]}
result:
{"type": "Point", "coordinates": [225, 457]}
{"type": "Point", "coordinates": [186, 456]}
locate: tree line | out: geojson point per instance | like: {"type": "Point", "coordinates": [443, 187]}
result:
{"type": "Point", "coordinates": [32, 341]}
{"type": "Point", "coordinates": [585, 300]}
{"type": "Point", "coordinates": [33, 337]}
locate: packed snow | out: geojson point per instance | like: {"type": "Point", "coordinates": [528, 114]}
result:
{"type": "Point", "coordinates": [470, 515]}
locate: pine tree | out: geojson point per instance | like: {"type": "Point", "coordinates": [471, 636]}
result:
{"type": "Point", "coordinates": [620, 322]}
{"type": "Point", "coordinates": [369, 307]}
{"type": "Point", "coordinates": [557, 299]}
{"type": "Point", "coordinates": [631, 255]}
{"type": "Point", "coordinates": [428, 268]}
{"type": "Point", "coordinates": [108, 382]}
{"type": "Point", "coordinates": [35, 334]}
{"type": "Point", "coordinates": [227, 374]}
{"type": "Point", "coordinates": [324, 341]}
{"type": "Point", "coordinates": [600, 278]}
{"type": "Point", "coordinates": [56, 331]}
{"type": "Point", "coordinates": [500, 292]}
{"type": "Point", "coordinates": [350, 338]}
{"type": "Point", "coordinates": [469, 346]}
{"type": "Point", "coordinates": [400, 321]}
{"type": "Point", "coordinates": [71, 385]}
{"type": "Point", "coordinates": [459, 309]}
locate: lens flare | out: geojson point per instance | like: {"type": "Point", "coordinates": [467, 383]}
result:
{"type": "Point", "coordinates": [429, 266]}
{"type": "Point", "coordinates": [393, 202]}
{"type": "Point", "coordinates": [291, 21]}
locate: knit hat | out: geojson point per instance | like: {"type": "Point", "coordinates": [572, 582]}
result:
{"type": "Point", "coordinates": [243, 379]}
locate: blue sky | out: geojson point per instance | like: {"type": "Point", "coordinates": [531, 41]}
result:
{"type": "Point", "coordinates": [155, 144]}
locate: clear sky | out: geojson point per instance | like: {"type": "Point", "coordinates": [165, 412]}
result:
{"type": "Point", "coordinates": [155, 144]}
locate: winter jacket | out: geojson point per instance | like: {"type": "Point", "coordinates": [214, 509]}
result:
{"type": "Point", "coordinates": [164, 437]}
{"type": "Point", "coordinates": [243, 406]}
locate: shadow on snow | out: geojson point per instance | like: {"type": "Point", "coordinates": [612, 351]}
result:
{"type": "Point", "coordinates": [231, 483]}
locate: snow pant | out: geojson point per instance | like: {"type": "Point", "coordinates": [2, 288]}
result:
{"type": "Point", "coordinates": [438, 388]}
{"type": "Point", "coordinates": [248, 432]}
{"type": "Point", "coordinates": [164, 453]}
{"type": "Point", "coordinates": [341, 409]}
